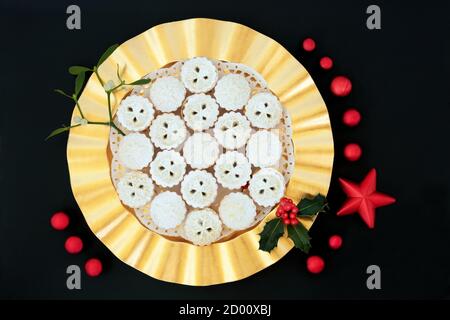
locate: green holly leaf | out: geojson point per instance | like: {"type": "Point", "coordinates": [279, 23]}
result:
{"type": "Point", "coordinates": [312, 206]}
{"type": "Point", "coordinates": [106, 54]}
{"type": "Point", "coordinates": [79, 81]}
{"type": "Point", "coordinates": [139, 82]}
{"type": "Point", "coordinates": [272, 231]}
{"type": "Point", "coordinates": [299, 235]}
{"type": "Point", "coordinates": [76, 70]}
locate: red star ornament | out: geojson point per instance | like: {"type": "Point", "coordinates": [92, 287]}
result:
{"type": "Point", "coordinates": [364, 198]}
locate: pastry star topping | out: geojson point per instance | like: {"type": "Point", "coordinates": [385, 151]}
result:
{"type": "Point", "coordinates": [363, 198]}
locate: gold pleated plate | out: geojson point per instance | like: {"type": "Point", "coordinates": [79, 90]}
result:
{"type": "Point", "coordinates": [89, 166]}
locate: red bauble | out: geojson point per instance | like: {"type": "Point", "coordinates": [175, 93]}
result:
{"type": "Point", "coordinates": [93, 267]}
{"type": "Point", "coordinates": [315, 264]}
{"type": "Point", "coordinates": [309, 44]}
{"type": "Point", "coordinates": [351, 117]}
{"type": "Point", "coordinates": [341, 86]}
{"type": "Point", "coordinates": [326, 63]}
{"type": "Point", "coordinates": [59, 220]}
{"type": "Point", "coordinates": [73, 244]}
{"type": "Point", "coordinates": [364, 198]}
{"type": "Point", "coordinates": [335, 242]}
{"type": "Point", "coordinates": [352, 152]}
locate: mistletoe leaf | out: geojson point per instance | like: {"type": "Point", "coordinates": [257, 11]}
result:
{"type": "Point", "coordinates": [106, 54]}
{"type": "Point", "coordinates": [62, 93]}
{"type": "Point", "coordinates": [60, 130]}
{"type": "Point", "coordinates": [299, 235]}
{"type": "Point", "coordinates": [272, 231]}
{"type": "Point", "coordinates": [79, 81]}
{"type": "Point", "coordinates": [139, 82]}
{"type": "Point", "coordinates": [76, 70]}
{"type": "Point", "coordinates": [312, 206]}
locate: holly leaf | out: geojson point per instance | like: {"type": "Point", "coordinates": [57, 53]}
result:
{"type": "Point", "coordinates": [106, 54]}
{"type": "Point", "coordinates": [272, 231]}
{"type": "Point", "coordinates": [139, 82]}
{"type": "Point", "coordinates": [76, 70]}
{"type": "Point", "coordinates": [299, 235]}
{"type": "Point", "coordinates": [79, 81]}
{"type": "Point", "coordinates": [312, 206]}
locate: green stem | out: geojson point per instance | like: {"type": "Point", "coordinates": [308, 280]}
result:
{"type": "Point", "coordinates": [99, 122]}
{"type": "Point", "coordinates": [98, 76]}
{"type": "Point", "coordinates": [108, 94]}
{"type": "Point", "coordinates": [109, 124]}
{"type": "Point", "coordinates": [122, 83]}
{"type": "Point", "coordinates": [112, 124]}
{"type": "Point", "coordinates": [78, 107]}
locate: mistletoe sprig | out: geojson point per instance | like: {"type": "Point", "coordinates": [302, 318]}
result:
{"type": "Point", "coordinates": [109, 86]}
{"type": "Point", "coordinates": [287, 218]}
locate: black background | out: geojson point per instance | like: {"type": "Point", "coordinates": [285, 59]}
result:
{"type": "Point", "coordinates": [400, 76]}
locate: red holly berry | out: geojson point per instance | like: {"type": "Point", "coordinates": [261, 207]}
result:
{"type": "Point", "coordinates": [73, 245]}
{"type": "Point", "coordinates": [286, 206]}
{"type": "Point", "coordinates": [284, 215]}
{"type": "Point", "coordinates": [351, 117]}
{"type": "Point", "coordinates": [315, 264]}
{"type": "Point", "coordinates": [341, 86]}
{"type": "Point", "coordinates": [352, 152]}
{"type": "Point", "coordinates": [93, 267]}
{"type": "Point", "coordinates": [294, 222]}
{"type": "Point", "coordinates": [292, 215]}
{"type": "Point", "coordinates": [286, 221]}
{"type": "Point", "coordinates": [294, 210]}
{"type": "Point", "coordinates": [59, 220]}
{"type": "Point", "coordinates": [309, 44]}
{"type": "Point", "coordinates": [326, 63]}
{"type": "Point", "coordinates": [335, 242]}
